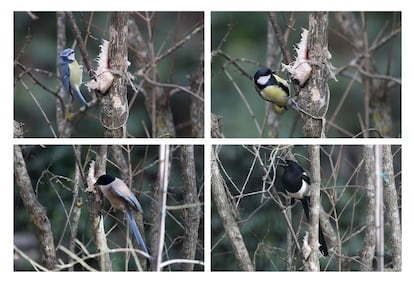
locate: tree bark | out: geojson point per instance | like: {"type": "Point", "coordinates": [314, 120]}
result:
{"type": "Point", "coordinates": [392, 213]}
{"type": "Point", "coordinates": [312, 263]}
{"type": "Point", "coordinates": [95, 200]}
{"type": "Point", "coordinates": [314, 97]}
{"type": "Point", "coordinates": [114, 104]}
{"type": "Point", "coordinates": [197, 106]}
{"type": "Point", "coordinates": [160, 207]}
{"type": "Point", "coordinates": [368, 250]}
{"type": "Point", "coordinates": [229, 222]}
{"type": "Point", "coordinates": [191, 213]}
{"type": "Point", "coordinates": [35, 210]}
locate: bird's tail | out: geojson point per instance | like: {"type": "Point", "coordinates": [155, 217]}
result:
{"type": "Point", "coordinates": [293, 104]}
{"type": "Point", "coordinates": [305, 204]}
{"type": "Point", "coordinates": [80, 96]}
{"type": "Point", "coordinates": [135, 231]}
{"type": "Point", "coordinates": [323, 248]}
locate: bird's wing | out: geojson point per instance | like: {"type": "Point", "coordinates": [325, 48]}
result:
{"type": "Point", "coordinates": [65, 73]}
{"type": "Point", "coordinates": [77, 92]}
{"type": "Point", "coordinates": [305, 177]}
{"type": "Point", "coordinates": [135, 231]}
{"type": "Point", "coordinates": [305, 204]}
{"type": "Point", "coordinates": [129, 197]}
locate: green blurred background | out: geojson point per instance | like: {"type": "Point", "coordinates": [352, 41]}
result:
{"type": "Point", "coordinates": [246, 41]}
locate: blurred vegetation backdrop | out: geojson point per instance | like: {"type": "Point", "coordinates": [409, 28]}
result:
{"type": "Point", "coordinates": [366, 52]}
{"type": "Point", "coordinates": [58, 187]}
{"type": "Point", "coordinates": [171, 43]}
{"type": "Point", "coordinates": [250, 181]}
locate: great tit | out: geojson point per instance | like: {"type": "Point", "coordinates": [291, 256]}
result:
{"type": "Point", "coordinates": [117, 192]}
{"type": "Point", "coordinates": [71, 74]}
{"type": "Point", "coordinates": [272, 88]}
{"type": "Point", "coordinates": [296, 182]}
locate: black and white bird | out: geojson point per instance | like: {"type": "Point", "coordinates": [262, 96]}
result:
{"type": "Point", "coordinates": [296, 182]}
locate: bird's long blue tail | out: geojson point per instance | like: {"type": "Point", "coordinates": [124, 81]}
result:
{"type": "Point", "coordinates": [80, 96]}
{"type": "Point", "coordinates": [136, 232]}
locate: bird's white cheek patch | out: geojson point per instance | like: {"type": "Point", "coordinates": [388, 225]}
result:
{"type": "Point", "coordinates": [304, 190]}
{"type": "Point", "coordinates": [263, 80]}
{"type": "Point", "coordinates": [71, 56]}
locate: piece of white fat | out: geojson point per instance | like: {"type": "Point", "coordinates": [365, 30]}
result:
{"type": "Point", "coordinates": [300, 69]}
{"type": "Point", "coordinates": [104, 77]}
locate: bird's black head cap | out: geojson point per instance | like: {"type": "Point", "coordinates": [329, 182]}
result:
{"type": "Point", "coordinates": [293, 165]}
{"type": "Point", "coordinates": [105, 179]}
{"type": "Point", "coordinates": [264, 71]}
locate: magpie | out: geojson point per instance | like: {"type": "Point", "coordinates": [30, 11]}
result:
{"type": "Point", "coordinates": [296, 182]}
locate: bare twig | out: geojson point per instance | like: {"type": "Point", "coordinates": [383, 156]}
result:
{"type": "Point", "coordinates": [164, 165]}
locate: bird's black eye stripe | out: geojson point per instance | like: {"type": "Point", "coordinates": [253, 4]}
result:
{"type": "Point", "coordinates": [283, 87]}
{"type": "Point", "coordinates": [274, 81]}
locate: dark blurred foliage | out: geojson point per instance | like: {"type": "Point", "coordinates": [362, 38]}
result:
{"type": "Point", "coordinates": [261, 222]}
{"type": "Point", "coordinates": [246, 43]}
{"type": "Point", "coordinates": [51, 169]}
{"type": "Point", "coordinates": [35, 44]}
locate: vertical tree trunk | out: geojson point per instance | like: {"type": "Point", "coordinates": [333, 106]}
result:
{"type": "Point", "coordinates": [35, 210]}
{"type": "Point", "coordinates": [315, 203]}
{"type": "Point", "coordinates": [368, 251]}
{"type": "Point", "coordinates": [95, 200]}
{"type": "Point", "coordinates": [225, 211]}
{"type": "Point", "coordinates": [197, 106]}
{"type": "Point", "coordinates": [161, 207]}
{"type": "Point", "coordinates": [191, 213]}
{"type": "Point", "coordinates": [392, 214]}
{"type": "Point", "coordinates": [314, 98]}
{"type": "Point", "coordinates": [114, 104]}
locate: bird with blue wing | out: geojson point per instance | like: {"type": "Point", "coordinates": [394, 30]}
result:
{"type": "Point", "coordinates": [122, 198]}
{"type": "Point", "coordinates": [71, 73]}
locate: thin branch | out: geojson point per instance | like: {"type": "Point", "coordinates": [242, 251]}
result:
{"type": "Point", "coordinates": [48, 122]}
{"type": "Point", "coordinates": [164, 164]}
{"type": "Point", "coordinates": [379, 208]}
{"type": "Point", "coordinates": [81, 44]}
{"type": "Point", "coordinates": [172, 86]}
{"type": "Point", "coordinates": [239, 91]}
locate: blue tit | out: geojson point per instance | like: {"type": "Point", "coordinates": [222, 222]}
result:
{"type": "Point", "coordinates": [71, 73]}
{"type": "Point", "coordinates": [273, 89]}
